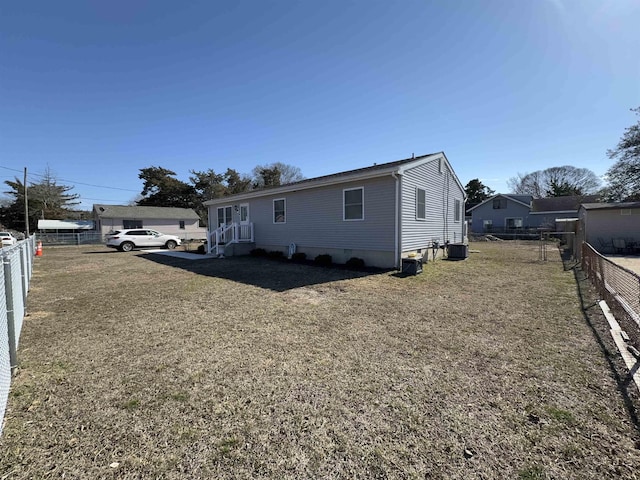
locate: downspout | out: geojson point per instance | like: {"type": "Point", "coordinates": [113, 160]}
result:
{"type": "Point", "coordinates": [397, 221]}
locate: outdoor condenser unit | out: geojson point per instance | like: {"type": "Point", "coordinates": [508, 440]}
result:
{"type": "Point", "coordinates": [458, 251]}
{"type": "Point", "coordinates": [411, 266]}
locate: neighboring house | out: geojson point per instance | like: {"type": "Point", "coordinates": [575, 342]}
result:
{"type": "Point", "coordinates": [504, 213]}
{"type": "Point", "coordinates": [609, 227]}
{"type": "Point", "coordinates": [501, 213]}
{"type": "Point", "coordinates": [183, 222]}
{"type": "Point", "coordinates": [378, 213]}
{"type": "Point", "coordinates": [550, 213]}
{"type": "Point", "coordinates": [65, 226]}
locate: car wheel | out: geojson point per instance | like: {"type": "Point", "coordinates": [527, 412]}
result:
{"type": "Point", "coordinates": [126, 246]}
{"type": "Point", "coordinates": [171, 244]}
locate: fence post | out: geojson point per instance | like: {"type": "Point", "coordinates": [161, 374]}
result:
{"type": "Point", "coordinates": [8, 288]}
{"type": "Point", "coordinates": [24, 276]}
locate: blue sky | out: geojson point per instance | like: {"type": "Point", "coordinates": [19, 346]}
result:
{"type": "Point", "coordinates": [97, 90]}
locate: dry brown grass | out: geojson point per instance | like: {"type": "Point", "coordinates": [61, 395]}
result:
{"type": "Point", "coordinates": [143, 366]}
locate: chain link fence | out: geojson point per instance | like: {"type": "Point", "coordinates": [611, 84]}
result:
{"type": "Point", "coordinates": [15, 275]}
{"type": "Point", "coordinates": [619, 287]}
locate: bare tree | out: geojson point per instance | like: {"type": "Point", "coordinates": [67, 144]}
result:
{"type": "Point", "coordinates": [555, 182]}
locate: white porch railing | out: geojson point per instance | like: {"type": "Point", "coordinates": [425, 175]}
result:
{"type": "Point", "coordinates": [227, 234]}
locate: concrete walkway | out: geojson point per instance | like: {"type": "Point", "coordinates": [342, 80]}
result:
{"type": "Point", "coordinates": [179, 254]}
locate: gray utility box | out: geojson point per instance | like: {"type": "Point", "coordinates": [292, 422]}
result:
{"type": "Point", "coordinates": [412, 266]}
{"type": "Point", "coordinates": [458, 251]}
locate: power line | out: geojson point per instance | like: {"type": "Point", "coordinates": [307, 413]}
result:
{"type": "Point", "coordinates": [74, 182]}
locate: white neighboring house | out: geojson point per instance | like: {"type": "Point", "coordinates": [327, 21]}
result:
{"type": "Point", "coordinates": [182, 222]}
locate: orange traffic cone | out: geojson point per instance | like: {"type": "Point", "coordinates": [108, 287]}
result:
{"type": "Point", "coordinates": [39, 249]}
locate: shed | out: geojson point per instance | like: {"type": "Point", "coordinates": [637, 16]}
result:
{"type": "Point", "coordinates": [603, 224]}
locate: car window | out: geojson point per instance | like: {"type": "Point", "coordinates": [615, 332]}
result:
{"type": "Point", "coordinates": [153, 232]}
{"type": "Point", "coordinates": [137, 232]}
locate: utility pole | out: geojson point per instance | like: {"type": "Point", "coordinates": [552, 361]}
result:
{"type": "Point", "coordinates": [26, 205]}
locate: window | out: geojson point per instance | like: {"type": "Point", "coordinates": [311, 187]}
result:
{"type": "Point", "coordinates": [280, 211]}
{"type": "Point", "coordinates": [512, 223]}
{"type": "Point", "coordinates": [181, 224]}
{"type": "Point", "coordinates": [456, 214]}
{"type": "Point", "coordinates": [421, 204]}
{"type": "Point", "coordinates": [224, 216]}
{"type": "Point", "coordinates": [499, 203]}
{"type": "Point", "coordinates": [126, 224]}
{"type": "Point", "coordinates": [487, 225]}
{"type": "Point", "coordinates": [353, 201]}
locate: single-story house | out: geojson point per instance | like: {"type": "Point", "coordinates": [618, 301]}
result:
{"type": "Point", "coordinates": [610, 227]}
{"type": "Point", "coordinates": [508, 213]}
{"type": "Point", "coordinates": [552, 212]}
{"type": "Point", "coordinates": [378, 213]}
{"type": "Point", "coordinates": [183, 222]}
{"type": "Point", "coordinates": [65, 226]}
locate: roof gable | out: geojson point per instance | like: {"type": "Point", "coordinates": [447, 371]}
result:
{"type": "Point", "coordinates": [523, 200]}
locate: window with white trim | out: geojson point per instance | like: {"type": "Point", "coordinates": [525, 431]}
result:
{"type": "Point", "coordinates": [421, 204]}
{"type": "Point", "coordinates": [353, 204]}
{"type": "Point", "coordinates": [457, 211]}
{"type": "Point", "coordinates": [280, 211]}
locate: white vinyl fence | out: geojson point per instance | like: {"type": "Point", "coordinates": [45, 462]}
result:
{"type": "Point", "coordinates": [15, 275]}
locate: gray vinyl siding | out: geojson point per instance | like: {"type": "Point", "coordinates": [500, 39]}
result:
{"type": "Point", "coordinates": [609, 223]}
{"type": "Point", "coordinates": [314, 217]}
{"type": "Point", "coordinates": [498, 215]}
{"type": "Point", "coordinates": [442, 190]}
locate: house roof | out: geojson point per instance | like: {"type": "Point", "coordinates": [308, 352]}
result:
{"type": "Point", "coordinates": [65, 224]}
{"type": "Point", "coordinates": [523, 200]}
{"type": "Point", "coordinates": [136, 212]}
{"type": "Point", "coordinates": [611, 206]}
{"type": "Point", "coordinates": [560, 204]}
{"type": "Point", "coordinates": [376, 170]}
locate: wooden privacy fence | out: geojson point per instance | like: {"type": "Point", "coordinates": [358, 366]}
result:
{"type": "Point", "coordinates": [618, 286]}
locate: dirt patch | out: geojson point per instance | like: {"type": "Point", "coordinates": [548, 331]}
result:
{"type": "Point", "coordinates": [159, 367]}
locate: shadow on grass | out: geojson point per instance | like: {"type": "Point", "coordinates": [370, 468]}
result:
{"type": "Point", "coordinates": [276, 275]}
{"type": "Point", "coordinates": [599, 327]}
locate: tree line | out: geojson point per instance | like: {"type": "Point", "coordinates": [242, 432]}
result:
{"type": "Point", "coordinates": [47, 199]}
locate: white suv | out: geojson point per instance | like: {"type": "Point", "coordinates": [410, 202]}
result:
{"type": "Point", "coordinates": [7, 239]}
{"type": "Point", "coordinates": [127, 240]}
